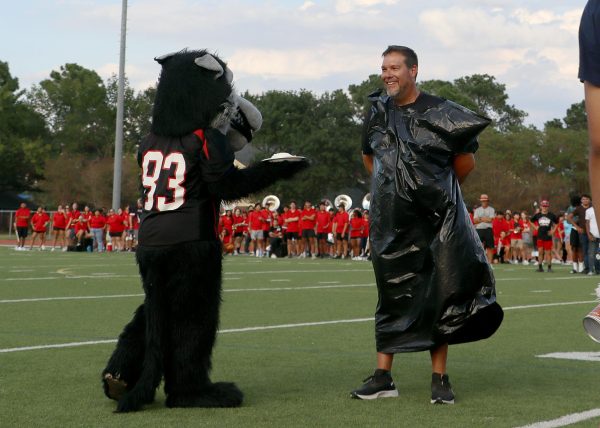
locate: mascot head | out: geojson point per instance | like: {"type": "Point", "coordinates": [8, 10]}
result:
{"type": "Point", "coordinates": [195, 91]}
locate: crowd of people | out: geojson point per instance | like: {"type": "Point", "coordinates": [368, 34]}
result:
{"type": "Point", "coordinates": [565, 237]}
{"type": "Point", "coordinates": [75, 230]}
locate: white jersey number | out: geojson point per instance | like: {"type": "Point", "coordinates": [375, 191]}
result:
{"type": "Point", "coordinates": [155, 162]}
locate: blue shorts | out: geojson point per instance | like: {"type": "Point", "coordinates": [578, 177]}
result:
{"type": "Point", "coordinates": [589, 43]}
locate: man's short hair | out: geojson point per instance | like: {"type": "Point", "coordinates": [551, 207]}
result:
{"type": "Point", "coordinates": [409, 55]}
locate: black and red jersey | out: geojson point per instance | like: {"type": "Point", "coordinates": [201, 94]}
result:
{"type": "Point", "coordinates": [176, 171]}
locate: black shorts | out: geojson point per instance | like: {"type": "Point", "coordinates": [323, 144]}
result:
{"type": "Point", "coordinates": [22, 232]}
{"type": "Point", "coordinates": [59, 228]}
{"type": "Point", "coordinates": [589, 61]}
{"type": "Point", "coordinates": [291, 235]}
{"type": "Point", "coordinates": [308, 233]}
{"type": "Point", "coordinates": [339, 236]}
{"type": "Point", "coordinates": [238, 234]}
{"type": "Point", "coordinates": [322, 235]}
{"type": "Point", "coordinates": [574, 240]}
{"type": "Point", "coordinates": [487, 237]}
{"type": "Point", "coordinates": [115, 234]}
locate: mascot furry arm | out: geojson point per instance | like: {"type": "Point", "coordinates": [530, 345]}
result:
{"type": "Point", "coordinates": [198, 121]}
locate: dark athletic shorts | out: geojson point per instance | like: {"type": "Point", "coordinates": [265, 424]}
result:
{"type": "Point", "coordinates": [339, 236]}
{"type": "Point", "coordinates": [238, 234]}
{"type": "Point", "coordinates": [22, 232]}
{"type": "Point", "coordinates": [308, 233]}
{"type": "Point", "coordinates": [115, 234]}
{"type": "Point", "coordinates": [322, 235]}
{"type": "Point", "coordinates": [486, 236]}
{"type": "Point", "coordinates": [59, 228]}
{"type": "Point", "coordinates": [291, 235]}
{"type": "Point", "coordinates": [574, 239]}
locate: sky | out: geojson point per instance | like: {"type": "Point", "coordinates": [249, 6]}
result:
{"type": "Point", "coordinates": [528, 45]}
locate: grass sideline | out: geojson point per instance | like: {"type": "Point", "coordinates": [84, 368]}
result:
{"type": "Point", "coordinates": [295, 376]}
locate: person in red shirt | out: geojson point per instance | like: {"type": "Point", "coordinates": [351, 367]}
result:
{"type": "Point", "coordinates": [323, 222]}
{"type": "Point", "coordinates": [72, 218]}
{"type": "Point", "coordinates": [238, 230]}
{"type": "Point", "coordinates": [21, 225]}
{"type": "Point", "coordinates": [267, 220]}
{"type": "Point", "coordinates": [292, 220]}
{"type": "Point", "coordinates": [516, 238]}
{"type": "Point", "coordinates": [226, 228]}
{"type": "Point", "coordinates": [308, 220]}
{"type": "Point", "coordinates": [59, 224]}
{"type": "Point", "coordinates": [255, 226]}
{"type": "Point", "coordinates": [364, 241]}
{"type": "Point", "coordinates": [39, 223]}
{"type": "Point", "coordinates": [356, 231]}
{"type": "Point", "coordinates": [115, 229]}
{"type": "Point", "coordinates": [340, 230]}
{"type": "Point", "coordinates": [82, 232]}
{"type": "Point", "coordinates": [97, 226]}
{"type": "Point", "coordinates": [558, 239]}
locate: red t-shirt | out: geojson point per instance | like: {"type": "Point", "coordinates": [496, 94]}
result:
{"type": "Point", "coordinates": [73, 216]}
{"type": "Point", "coordinates": [323, 220]}
{"type": "Point", "coordinates": [516, 231]}
{"type": "Point", "coordinates": [87, 215]}
{"type": "Point", "coordinates": [341, 219]}
{"type": "Point", "coordinates": [293, 226]}
{"type": "Point", "coordinates": [365, 228]}
{"type": "Point", "coordinates": [133, 221]}
{"type": "Point", "coordinates": [97, 222]}
{"type": "Point", "coordinates": [267, 217]}
{"type": "Point", "coordinates": [39, 221]}
{"type": "Point", "coordinates": [115, 223]}
{"type": "Point", "coordinates": [22, 217]}
{"type": "Point", "coordinates": [227, 222]}
{"type": "Point", "coordinates": [81, 226]}
{"type": "Point", "coordinates": [559, 232]}
{"type": "Point", "coordinates": [356, 227]}
{"type": "Point", "coordinates": [308, 224]}
{"type": "Point", "coordinates": [255, 220]}
{"type": "Point", "coordinates": [238, 221]}
{"type": "Point", "coordinates": [59, 220]}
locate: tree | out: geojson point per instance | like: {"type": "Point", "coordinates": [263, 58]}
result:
{"type": "Point", "coordinates": [23, 137]}
{"type": "Point", "coordinates": [321, 128]}
{"type": "Point", "coordinates": [576, 118]}
{"type": "Point", "coordinates": [74, 103]}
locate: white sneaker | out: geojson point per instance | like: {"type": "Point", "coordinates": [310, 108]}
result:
{"type": "Point", "coordinates": [43, 248]}
{"type": "Point", "coordinates": [525, 263]}
{"type": "Point", "coordinates": [314, 256]}
{"type": "Point", "coordinates": [273, 256]}
{"type": "Point", "coordinates": [52, 249]}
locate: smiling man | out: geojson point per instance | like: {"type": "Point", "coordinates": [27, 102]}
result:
{"type": "Point", "coordinates": [434, 283]}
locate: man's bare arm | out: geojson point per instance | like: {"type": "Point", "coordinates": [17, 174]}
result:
{"type": "Point", "coordinates": [463, 164]}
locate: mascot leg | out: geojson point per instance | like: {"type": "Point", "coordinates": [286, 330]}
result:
{"type": "Point", "coordinates": [125, 364]}
{"type": "Point", "coordinates": [194, 300]}
{"type": "Point", "coordinates": [155, 277]}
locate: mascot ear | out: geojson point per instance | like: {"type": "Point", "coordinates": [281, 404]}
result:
{"type": "Point", "coordinates": [163, 58]}
{"type": "Point", "coordinates": [210, 63]}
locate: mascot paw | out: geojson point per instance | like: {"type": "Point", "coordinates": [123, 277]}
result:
{"type": "Point", "coordinates": [114, 386]}
{"type": "Point", "coordinates": [287, 169]}
{"type": "Point", "coordinates": [221, 394]}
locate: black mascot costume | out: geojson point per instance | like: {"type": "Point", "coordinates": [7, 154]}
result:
{"type": "Point", "coordinates": [198, 121]}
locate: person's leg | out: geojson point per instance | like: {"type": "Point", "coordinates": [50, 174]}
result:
{"type": "Point", "coordinates": [441, 390]}
{"type": "Point", "coordinates": [583, 241]}
{"type": "Point", "coordinates": [33, 236]}
{"type": "Point", "coordinates": [384, 361]}
{"type": "Point", "coordinates": [541, 256]}
{"type": "Point", "coordinates": [439, 357]}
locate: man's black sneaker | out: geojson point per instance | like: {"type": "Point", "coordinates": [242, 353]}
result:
{"type": "Point", "coordinates": [380, 385]}
{"type": "Point", "coordinates": [540, 268]}
{"type": "Point", "coordinates": [441, 390]}
{"type": "Point", "coordinates": [550, 269]}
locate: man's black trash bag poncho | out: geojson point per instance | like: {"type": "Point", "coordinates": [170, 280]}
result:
{"type": "Point", "coordinates": [434, 282]}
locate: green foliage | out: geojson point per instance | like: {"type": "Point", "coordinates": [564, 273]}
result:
{"type": "Point", "coordinates": [576, 117]}
{"type": "Point", "coordinates": [23, 145]}
{"type": "Point", "coordinates": [322, 128]}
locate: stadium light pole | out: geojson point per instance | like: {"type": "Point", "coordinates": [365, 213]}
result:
{"type": "Point", "coordinates": [116, 197]}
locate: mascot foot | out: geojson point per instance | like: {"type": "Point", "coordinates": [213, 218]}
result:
{"type": "Point", "coordinates": [114, 386]}
{"type": "Point", "coordinates": [221, 394]}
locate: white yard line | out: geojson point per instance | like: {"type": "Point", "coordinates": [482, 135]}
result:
{"type": "Point", "coordinates": [233, 290]}
{"type": "Point", "coordinates": [258, 328]}
{"type": "Point", "coordinates": [566, 420]}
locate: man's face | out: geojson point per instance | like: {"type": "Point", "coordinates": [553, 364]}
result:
{"type": "Point", "coordinates": [585, 201]}
{"type": "Point", "coordinates": [397, 77]}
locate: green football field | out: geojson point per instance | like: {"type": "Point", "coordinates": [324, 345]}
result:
{"type": "Point", "coordinates": [297, 337]}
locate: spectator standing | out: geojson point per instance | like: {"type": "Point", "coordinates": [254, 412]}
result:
{"type": "Point", "coordinates": [72, 219]}
{"type": "Point", "coordinates": [364, 241]}
{"type": "Point", "coordinates": [115, 229]}
{"type": "Point", "coordinates": [527, 237]}
{"type": "Point", "coordinates": [482, 217]}
{"type": "Point", "coordinates": [309, 220]}
{"type": "Point", "coordinates": [238, 230]}
{"type": "Point", "coordinates": [558, 239]}
{"type": "Point", "coordinates": [255, 221]}
{"type": "Point", "coordinates": [97, 225]}
{"type": "Point", "coordinates": [340, 230]}
{"type": "Point", "coordinates": [292, 220]}
{"type": "Point", "coordinates": [545, 222]}
{"type": "Point", "coordinates": [21, 225]}
{"type": "Point", "coordinates": [516, 239]}
{"type": "Point", "coordinates": [39, 223]}
{"type": "Point", "coordinates": [356, 232]}
{"type": "Point", "coordinates": [594, 241]}
{"type": "Point", "coordinates": [276, 245]}
{"type": "Point", "coordinates": [59, 224]}
{"type": "Point", "coordinates": [323, 221]}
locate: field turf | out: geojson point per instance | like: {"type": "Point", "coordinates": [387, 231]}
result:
{"type": "Point", "coordinates": [300, 373]}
